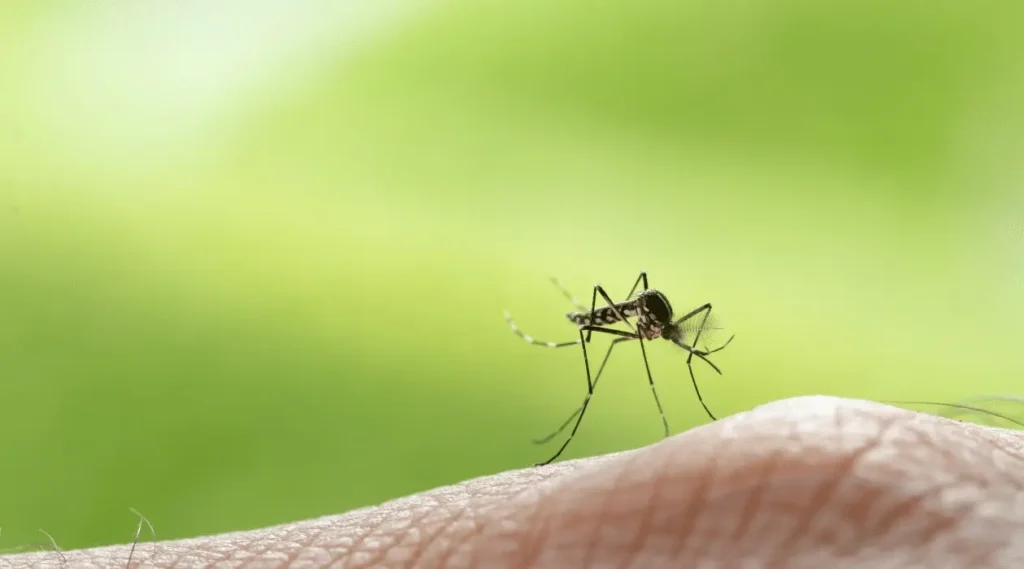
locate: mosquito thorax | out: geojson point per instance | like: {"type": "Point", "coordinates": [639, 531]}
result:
{"type": "Point", "coordinates": [655, 307]}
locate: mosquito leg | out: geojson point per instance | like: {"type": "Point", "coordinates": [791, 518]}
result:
{"type": "Point", "coordinates": [619, 316]}
{"type": "Point", "coordinates": [593, 308]}
{"type": "Point", "coordinates": [531, 340]}
{"type": "Point", "coordinates": [583, 409]}
{"type": "Point", "coordinates": [586, 399]}
{"type": "Point", "coordinates": [615, 309]}
{"type": "Point", "coordinates": [572, 297]}
{"type": "Point", "coordinates": [719, 348]}
{"type": "Point", "coordinates": [590, 384]}
{"type": "Point", "coordinates": [696, 389]}
{"type": "Point", "coordinates": [643, 351]}
{"type": "Point", "coordinates": [706, 309]}
{"type": "Point", "coordinates": [592, 317]}
{"type": "Point", "coordinates": [689, 367]}
{"type": "Point", "coordinates": [654, 392]}
{"type": "Point", "coordinates": [641, 278]}
{"type": "Point", "coordinates": [579, 306]}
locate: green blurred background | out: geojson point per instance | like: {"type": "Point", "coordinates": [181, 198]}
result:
{"type": "Point", "coordinates": [254, 256]}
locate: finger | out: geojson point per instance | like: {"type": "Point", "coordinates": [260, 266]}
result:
{"type": "Point", "coordinates": [807, 482]}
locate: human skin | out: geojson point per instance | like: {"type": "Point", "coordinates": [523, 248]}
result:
{"type": "Point", "coordinates": [809, 482]}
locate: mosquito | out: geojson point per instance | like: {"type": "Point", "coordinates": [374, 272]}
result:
{"type": "Point", "coordinates": [654, 319]}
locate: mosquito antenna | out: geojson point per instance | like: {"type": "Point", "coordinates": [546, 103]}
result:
{"type": "Point", "coordinates": [572, 297]}
{"type": "Point", "coordinates": [704, 329]}
{"type": "Point", "coordinates": [961, 406]}
{"type": "Point", "coordinates": [138, 532]}
{"type": "Point", "coordinates": [53, 542]}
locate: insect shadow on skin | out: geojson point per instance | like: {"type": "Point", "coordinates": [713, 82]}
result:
{"type": "Point", "coordinates": [654, 319]}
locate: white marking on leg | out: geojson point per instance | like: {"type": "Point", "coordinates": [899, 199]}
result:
{"type": "Point", "coordinates": [528, 338]}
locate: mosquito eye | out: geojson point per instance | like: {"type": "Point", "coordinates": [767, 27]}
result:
{"type": "Point", "coordinates": [659, 309]}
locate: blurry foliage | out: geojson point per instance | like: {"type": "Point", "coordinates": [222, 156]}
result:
{"type": "Point", "coordinates": [253, 257]}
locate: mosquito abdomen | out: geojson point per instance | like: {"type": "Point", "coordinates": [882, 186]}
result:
{"type": "Point", "coordinates": [603, 315]}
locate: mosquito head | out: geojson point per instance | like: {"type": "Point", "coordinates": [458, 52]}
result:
{"type": "Point", "coordinates": [654, 309]}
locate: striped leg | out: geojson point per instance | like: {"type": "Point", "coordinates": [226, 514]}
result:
{"type": "Point", "coordinates": [586, 399]}
{"type": "Point", "coordinates": [531, 340]}
{"type": "Point", "coordinates": [579, 304]}
{"type": "Point", "coordinates": [572, 297]}
{"type": "Point", "coordinates": [641, 278]}
{"type": "Point", "coordinates": [590, 385]}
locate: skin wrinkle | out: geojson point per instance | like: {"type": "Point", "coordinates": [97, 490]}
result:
{"type": "Point", "coordinates": [925, 440]}
{"type": "Point", "coordinates": [606, 496]}
{"type": "Point", "coordinates": [1006, 446]}
{"type": "Point", "coordinates": [967, 461]}
{"type": "Point", "coordinates": [530, 503]}
{"type": "Point", "coordinates": [1005, 440]}
{"type": "Point", "coordinates": [530, 487]}
{"type": "Point", "coordinates": [938, 523]}
{"type": "Point", "coordinates": [538, 516]}
{"type": "Point", "coordinates": [757, 495]}
{"type": "Point", "coordinates": [362, 539]}
{"type": "Point", "coordinates": [421, 547]}
{"type": "Point", "coordinates": [314, 535]}
{"type": "Point", "coordinates": [536, 536]}
{"type": "Point", "coordinates": [608, 492]}
{"type": "Point", "coordinates": [461, 525]}
{"type": "Point", "coordinates": [766, 466]}
{"type": "Point", "coordinates": [438, 528]}
{"type": "Point", "coordinates": [635, 488]}
{"type": "Point", "coordinates": [643, 534]}
{"type": "Point", "coordinates": [890, 420]}
{"type": "Point", "coordinates": [883, 526]}
{"type": "Point", "coordinates": [830, 485]}
{"type": "Point", "coordinates": [704, 479]}
{"type": "Point", "coordinates": [442, 541]}
{"type": "Point", "coordinates": [474, 531]}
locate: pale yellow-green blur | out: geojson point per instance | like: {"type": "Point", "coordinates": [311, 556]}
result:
{"type": "Point", "coordinates": [254, 257]}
